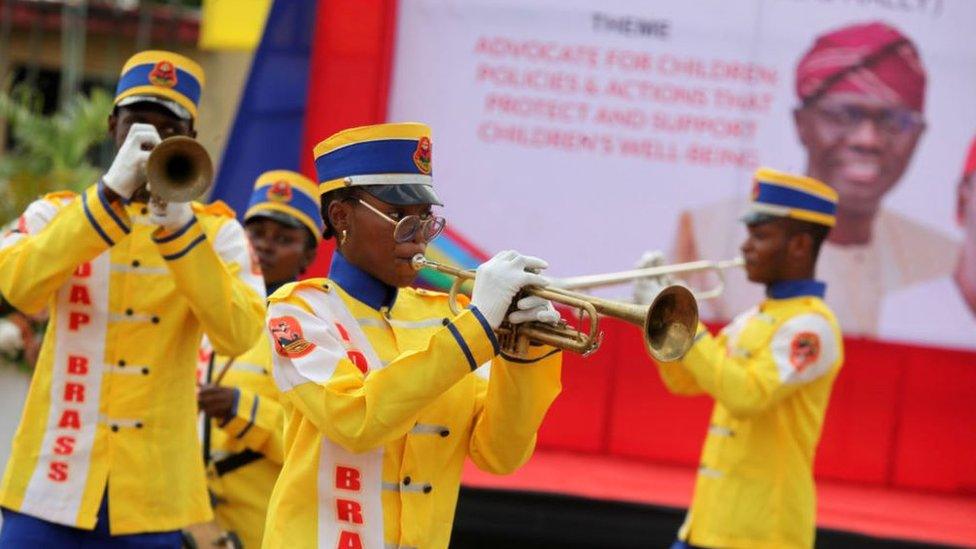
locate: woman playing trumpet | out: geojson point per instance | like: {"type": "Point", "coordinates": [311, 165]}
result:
{"type": "Point", "coordinates": [381, 400]}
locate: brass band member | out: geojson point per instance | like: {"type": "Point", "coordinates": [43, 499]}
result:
{"type": "Point", "coordinates": [770, 372]}
{"type": "Point", "coordinates": [106, 453]}
{"type": "Point", "coordinates": [382, 400]}
{"type": "Point", "coordinates": [285, 228]}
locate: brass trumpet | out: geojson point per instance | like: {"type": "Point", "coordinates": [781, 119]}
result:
{"type": "Point", "coordinates": [179, 170]}
{"type": "Point", "coordinates": [609, 279]}
{"type": "Point", "coordinates": [668, 324]}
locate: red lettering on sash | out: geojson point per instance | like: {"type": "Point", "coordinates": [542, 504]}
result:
{"type": "Point", "coordinates": [347, 478]}
{"type": "Point", "coordinates": [83, 270]}
{"type": "Point", "coordinates": [64, 446]}
{"type": "Point", "coordinates": [359, 359]}
{"type": "Point", "coordinates": [203, 355]}
{"type": "Point", "coordinates": [348, 510]}
{"type": "Point", "coordinates": [58, 471]}
{"type": "Point", "coordinates": [79, 294]}
{"type": "Point", "coordinates": [75, 320]}
{"type": "Point", "coordinates": [342, 332]}
{"type": "Point", "coordinates": [74, 392]}
{"type": "Point", "coordinates": [350, 540]}
{"type": "Point", "coordinates": [69, 420]}
{"type": "Point", "coordinates": [77, 365]}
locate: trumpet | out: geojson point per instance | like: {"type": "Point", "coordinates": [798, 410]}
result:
{"type": "Point", "coordinates": [668, 324]}
{"type": "Point", "coordinates": [178, 170]}
{"type": "Point", "coordinates": [609, 279]}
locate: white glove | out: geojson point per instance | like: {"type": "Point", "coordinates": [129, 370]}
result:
{"type": "Point", "coordinates": [499, 279]}
{"type": "Point", "coordinates": [534, 308]}
{"type": "Point", "coordinates": [11, 339]}
{"type": "Point", "coordinates": [646, 289]}
{"type": "Point", "coordinates": [126, 174]}
{"type": "Point", "coordinates": [171, 215]}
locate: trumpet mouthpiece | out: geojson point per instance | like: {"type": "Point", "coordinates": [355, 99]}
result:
{"type": "Point", "coordinates": [418, 262]}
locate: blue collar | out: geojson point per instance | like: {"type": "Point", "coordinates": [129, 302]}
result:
{"type": "Point", "coordinates": [786, 289]}
{"type": "Point", "coordinates": [360, 284]}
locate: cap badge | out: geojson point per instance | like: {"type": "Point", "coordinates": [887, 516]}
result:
{"type": "Point", "coordinates": [421, 156]}
{"type": "Point", "coordinates": [163, 74]}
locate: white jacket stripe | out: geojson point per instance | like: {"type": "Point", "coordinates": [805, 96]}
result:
{"type": "Point", "coordinates": [59, 479]}
{"type": "Point", "coordinates": [338, 494]}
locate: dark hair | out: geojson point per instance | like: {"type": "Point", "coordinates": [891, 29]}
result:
{"type": "Point", "coordinates": [818, 233]}
{"type": "Point", "coordinates": [338, 195]}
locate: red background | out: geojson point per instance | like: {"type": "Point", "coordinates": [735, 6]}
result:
{"type": "Point", "coordinates": [900, 416]}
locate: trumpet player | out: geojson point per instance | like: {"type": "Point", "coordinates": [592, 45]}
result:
{"type": "Point", "coordinates": [382, 401]}
{"type": "Point", "coordinates": [106, 453]}
{"type": "Point", "coordinates": [770, 372]}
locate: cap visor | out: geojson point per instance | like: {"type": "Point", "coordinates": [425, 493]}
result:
{"type": "Point", "coordinates": [404, 195]}
{"type": "Point", "coordinates": [755, 218]}
{"type": "Point", "coordinates": [280, 217]}
{"type": "Point", "coordinates": [170, 105]}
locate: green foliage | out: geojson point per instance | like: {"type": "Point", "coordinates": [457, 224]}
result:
{"type": "Point", "coordinates": [50, 153]}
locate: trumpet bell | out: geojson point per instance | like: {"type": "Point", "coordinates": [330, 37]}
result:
{"type": "Point", "coordinates": [671, 323]}
{"type": "Point", "coordinates": [179, 170]}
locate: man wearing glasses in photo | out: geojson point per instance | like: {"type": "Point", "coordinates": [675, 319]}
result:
{"type": "Point", "coordinates": [861, 92]}
{"type": "Point", "coordinates": [381, 397]}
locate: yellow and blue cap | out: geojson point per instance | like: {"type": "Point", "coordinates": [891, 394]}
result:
{"type": "Point", "coordinates": [161, 77]}
{"type": "Point", "coordinates": [780, 194]}
{"type": "Point", "coordinates": [287, 197]}
{"type": "Point", "coordinates": [389, 161]}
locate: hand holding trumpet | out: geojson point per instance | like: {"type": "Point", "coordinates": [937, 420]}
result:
{"type": "Point", "coordinates": [127, 173]}
{"type": "Point", "coordinates": [175, 171]}
{"type": "Point", "coordinates": [500, 279]}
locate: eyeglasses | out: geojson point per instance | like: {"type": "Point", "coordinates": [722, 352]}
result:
{"type": "Point", "coordinates": [405, 229]}
{"type": "Point", "coordinates": [893, 122]}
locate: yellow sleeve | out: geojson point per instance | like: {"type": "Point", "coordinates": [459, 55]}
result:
{"type": "Point", "coordinates": [677, 379]}
{"type": "Point", "coordinates": [802, 349]}
{"type": "Point", "coordinates": [34, 266]}
{"type": "Point", "coordinates": [216, 280]}
{"type": "Point", "coordinates": [259, 422]}
{"type": "Point", "coordinates": [510, 407]}
{"type": "Point", "coordinates": [363, 412]}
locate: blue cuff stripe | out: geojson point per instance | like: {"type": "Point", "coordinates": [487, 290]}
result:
{"type": "Point", "coordinates": [250, 423]}
{"type": "Point", "coordinates": [91, 219]}
{"type": "Point", "coordinates": [484, 324]}
{"type": "Point", "coordinates": [186, 250]}
{"type": "Point", "coordinates": [233, 407]}
{"type": "Point", "coordinates": [178, 233]}
{"type": "Point", "coordinates": [108, 207]}
{"type": "Point", "coordinates": [463, 345]}
{"type": "Point", "coordinates": [237, 400]}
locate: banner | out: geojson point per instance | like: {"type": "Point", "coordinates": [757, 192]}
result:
{"type": "Point", "coordinates": [588, 133]}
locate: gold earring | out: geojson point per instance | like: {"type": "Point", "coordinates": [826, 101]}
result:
{"type": "Point", "coordinates": [343, 236]}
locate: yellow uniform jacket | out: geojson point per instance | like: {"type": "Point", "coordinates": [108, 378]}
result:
{"type": "Point", "coordinates": [382, 407]}
{"type": "Point", "coordinates": [112, 397]}
{"type": "Point", "coordinates": [246, 450]}
{"type": "Point", "coordinates": [770, 372]}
